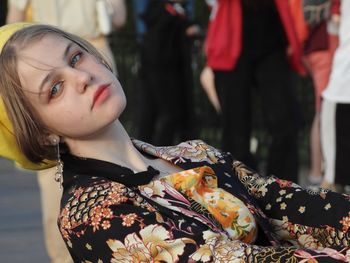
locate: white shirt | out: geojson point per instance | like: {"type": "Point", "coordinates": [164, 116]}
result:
{"type": "Point", "coordinates": [338, 89]}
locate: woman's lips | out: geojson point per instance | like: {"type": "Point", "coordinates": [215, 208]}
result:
{"type": "Point", "coordinates": [101, 95]}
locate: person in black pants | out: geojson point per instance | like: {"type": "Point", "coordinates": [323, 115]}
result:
{"type": "Point", "coordinates": [262, 64]}
{"type": "Point", "coordinates": [3, 12]}
{"type": "Point", "coordinates": [166, 107]}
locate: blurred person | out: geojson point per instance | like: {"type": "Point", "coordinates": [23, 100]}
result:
{"type": "Point", "coordinates": [318, 24]}
{"type": "Point", "coordinates": [125, 200]}
{"type": "Point", "coordinates": [3, 12]}
{"type": "Point", "coordinates": [253, 44]}
{"type": "Point", "coordinates": [335, 111]}
{"type": "Point", "coordinates": [140, 6]}
{"type": "Point", "coordinates": [79, 17]}
{"type": "Point", "coordinates": [166, 94]}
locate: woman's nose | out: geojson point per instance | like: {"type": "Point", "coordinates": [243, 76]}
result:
{"type": "Point", "coordinates": [82, 79]}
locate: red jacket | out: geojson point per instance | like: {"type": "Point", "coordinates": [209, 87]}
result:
{"type": "Point", "coordinates": [224, 38]}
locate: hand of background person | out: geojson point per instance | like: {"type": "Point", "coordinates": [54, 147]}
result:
{"type": "Point", "coordinates": [335, 18]}
{"type": "Point", "coordinates": [193, 30]}
{"type": "Point", "coordinates": [119, 13]}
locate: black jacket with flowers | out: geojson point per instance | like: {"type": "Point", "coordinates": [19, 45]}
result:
{"type": "Point", "coordinates": [110, 214]}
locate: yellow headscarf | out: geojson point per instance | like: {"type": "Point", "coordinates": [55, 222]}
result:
{"type": "Point", "coordinates": [8, 145]}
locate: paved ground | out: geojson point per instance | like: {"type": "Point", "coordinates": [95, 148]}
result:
{"type": "Point", "coordinates": [21, 235]}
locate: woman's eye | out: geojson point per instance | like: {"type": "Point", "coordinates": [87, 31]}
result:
{"type": "Point", "coordinates": [56, 88]}
{"type": "Point", "coordinates": [75, 59]}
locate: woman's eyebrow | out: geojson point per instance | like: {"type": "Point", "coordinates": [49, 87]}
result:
{"type": "Point", "coordinates": [66, 51]}
{"type": "Point", "coordinates": [48, 76]}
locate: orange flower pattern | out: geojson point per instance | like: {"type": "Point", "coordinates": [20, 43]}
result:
{"type": "Point", "coordinates": [201, 185]}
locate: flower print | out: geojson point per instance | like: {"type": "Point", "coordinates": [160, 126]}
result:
{"type": "Point", "coordinates": [176, 194]}
{"type": "Point", "coordinates": [106, 212]}
{"type": "Point", "coordinates": [279, 230]}
{"type": "Point", "coordinates": [268, 206]}
{"type": "Point", "coordinates": [226, 208]}
{"type": "Point", "coordinates": [169, 203]}
{"type": "Point", "coordinates": [347, 255]}
{"type": "Point", "coordinates": [88, 246]}
{"type": "Point", "coordinates": [202, 151]}
{"type": "Point", "coordinates": [185, 150]}
{"type": "Point", "coordinates": [195, 150]}
{"type": "Point", "coordinates": [257, 186]}
{"type": "Point", "coordinates": [220, 249]}
{"type": "Point", "coordinates": [263, 190]}
{"type": "Point", "coordinates": [301, 209]}
{"type": "Point", "coordinates": [203, 254]}
{"type": "Point", "coordinates": [129, 219]}
{"type": "Point", "coordinates": [283, 206]}
{"type": "Point", "coordinates": [291, 227]}
{"type": "Point", "coordinates": [69, 244]}
{"type": "Point", "coordinates": [106, 224]}
{"type": "Point", "coordinates": [308, 241]}
{"type": "Point", "coordinates": [186, 179]}
{"type": "Point", "coordinates": [327, 206]}
{"type": "Point", "coordinates": [118, 188]}
{"type": "Point", "coordinates": [234, 253]}
{"type": "Point", "coordinates": [116, 198]}
{"type": "Point", "coordinates": [212, 198]}
{"type": "Point", "coordinates": [317, 191]}
{"type": "Point", "coordinates": [95, 222]}
{"type": "Point", "coordinates": [345, 222]}
{"type": "Point", "coordinates": [65, 224]}
{"type": "Point", "coordinates": [282, 192]}
{"type": "Point", "coordinates": [78, 192]}
{"type": "Point", "coordinates": [284, 183]}
{"type": "Point", "coordinates": [154, 188]}
{"type": "Point", "coordinates": [151, 244]}
{"type": "Point", "coordinates": [97, 211]}
{"type": "Point", "coordinates": [208, 234]}
{"type": "Point", "coordinates": [289, 196]}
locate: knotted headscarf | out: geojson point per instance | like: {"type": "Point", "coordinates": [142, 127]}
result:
{"type": "Point", "coordinates": [8, 145]}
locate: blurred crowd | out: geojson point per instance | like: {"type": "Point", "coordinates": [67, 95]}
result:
{"type": "Point", "coordinates": [253, 49]}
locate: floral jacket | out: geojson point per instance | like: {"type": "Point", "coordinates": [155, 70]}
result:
{"type": "Point", "coordinates": [216, 210]}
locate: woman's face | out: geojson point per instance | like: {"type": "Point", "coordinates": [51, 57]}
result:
{"type": "Point", "coordinates": [75, 95]}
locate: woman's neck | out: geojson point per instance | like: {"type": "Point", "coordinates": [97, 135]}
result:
{"type": "Point", "coordinates": [113, 145]}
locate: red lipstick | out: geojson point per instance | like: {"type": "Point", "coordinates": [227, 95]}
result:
{"type": "Point", "coordinates": [101, 94]}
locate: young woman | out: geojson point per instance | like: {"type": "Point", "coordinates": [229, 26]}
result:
{"type": "Point", "coordinates": [128, 201]}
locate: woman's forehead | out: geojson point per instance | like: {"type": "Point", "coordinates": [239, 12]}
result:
{"type": "Point", "coordinates": [47, 53]}
{"type": "Point", "coordinates": [48, 42]}
{"type": "Point", "coordinates": [39, 59]}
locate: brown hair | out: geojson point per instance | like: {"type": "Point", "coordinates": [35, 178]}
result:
{"type": "Point", "coordinates": [29, 130]}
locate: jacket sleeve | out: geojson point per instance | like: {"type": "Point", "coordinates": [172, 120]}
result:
{"type": "Point", "coordinates": [307, 218]}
